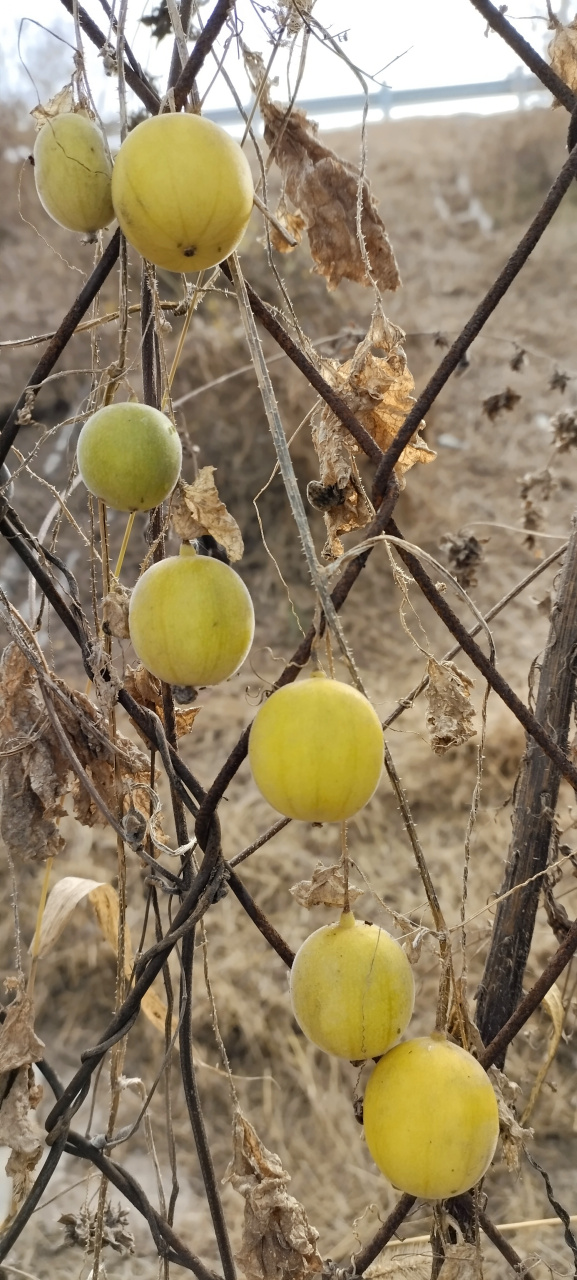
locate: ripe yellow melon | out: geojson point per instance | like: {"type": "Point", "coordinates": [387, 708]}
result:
{"type": "Point", "coordinates": [430, 1117]}
{"type": "Point", "coordinates": [182, 191]}
{"type": "Point", "coordinates": [316, 750]}
{"type": "Point", "coordinates": [129, 455]}
{"type": "Point", "coordinates": [73, 172]}
{"type": "Point", "coordinates": [191, 619]}
{"type": "Point", "coordinates": [352, 989]}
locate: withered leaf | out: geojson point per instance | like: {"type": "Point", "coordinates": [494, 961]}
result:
{"type": "Point", "coordinates": [196, 509]}
{"type": "Point", "coordinates": [80, 1229]}
{"type": "Point", "coordinates": [278, 1242]}
{"type": "Point", "coordinates": [564, 427]}
{"type": "Point", "coordinates": [326, 888]}
{"type": "Point", "coordinates": [504, 401]}
{"type": "Point", "coordinates": [295, 225]}
{"type": "Point", "coordinates": [462, 1262]}
{"type": "Point", "coordinates": [465, 554]}
{"type": "Point", "coordinates": [323, 188]}
{"type": "Point", "coordinates": [559, 380]}
{"type": "Point", "coordinates": [35, 772]}
{"type": "Point", "coordinates": [104, 901]}
{"type": "Point", "coordinates": [19, 1130]}
{"type": "Point", "coordinates": [512, 1134]}
{"type": "Point", "coordinates": [19, 1044]}
{"type": "Point", "coordinates": [563, 53]}
{"type": "Point", "coordinates": [61, 103]}
{"type": "Point", "coordinates": [402, 1262]}
{"type": "Point", "coordinates": [378, 390]}
{"type": "Point", "coordinates": [60, 904]}
{"type": "Point", "coordinates": [115, 612]}
{"type": "Point", "coordinates": [450, 711]}
{"type": "Point", "coordinates": [146, 690]}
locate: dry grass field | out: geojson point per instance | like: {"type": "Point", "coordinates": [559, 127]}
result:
{"type": "Point", "coordinates": [456, 195]}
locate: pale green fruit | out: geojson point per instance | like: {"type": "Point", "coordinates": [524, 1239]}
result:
{"type": "Point", "coordinates": [430, 1117]}
{"type": "Point", "coordinates": [352, 989]}
{"type": "Point", "coordinates": [316, 750]}
{"type": "Point", "coordinates": [130, 456]}
{"type": "Point", "coordinates": [191, 619]}
{"type": "Point", "coordinates": [73, 173]}
{"type": "Point", "coordinates": [182, 191]}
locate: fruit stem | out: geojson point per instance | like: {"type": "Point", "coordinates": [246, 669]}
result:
{"type": "Point", "coordinates": [187, 319]}
{"type": "Point", "coordinates": [125, 540]}
{"type": "Point", "coordinates": [345, 865]}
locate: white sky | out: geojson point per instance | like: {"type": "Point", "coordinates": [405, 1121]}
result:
{"type": "Point", "coordinates": [426, 43]}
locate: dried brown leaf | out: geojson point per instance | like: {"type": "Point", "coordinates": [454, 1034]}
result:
{"type": "Point", "coordinates": [563, 54]}
{"type": "Point", "coordinates": [326, 888]}
{"type": "Point", "coordinates": [402, 1262]}
{"type": "Point", "coordinates": [146, 690]}
{"type": "Point", "coordinates": [19, 1130]}
{"type": "Point", "coordinates": [278, 1242]}
{"type": "Point", "coordinates": [462, 1262]}
{"type": "Point", "coordinates": [19, 1044]}
{"type": "Point", "coordinates": [33, 772]}
{"type": "Point", "coordinates": [295, 225]}
{"type": "Point", "coordinates": [115, 612]}
{"type": "Point", "coordinates": [465, 554]}
{"type": "Point", "coordinates": [450, 711]}
{"type": "Point", "coordinates": [323, 188]}
{"type": "Point", "coordinates": [512, 1134]}
{"type": "Point", "coordinates": [378, 390]}
{"type": "Point", "coordinates": [196, 509]}
{"type": "Point", "coordinates": [61, 103]}
{"type": "Point", "coordinates": [504, 401]}
{"type": "Point", "coordinates": [60, 904]}
{"type": "Point", "coordinates": [564, 427]}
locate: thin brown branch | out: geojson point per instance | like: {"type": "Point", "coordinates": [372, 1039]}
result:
{"type": "Point", "coordinates": [545, 73]}
{"type": "Point", "coordinates": [202, 48]}
{"type": "Point", "coordinates": [534, 816]}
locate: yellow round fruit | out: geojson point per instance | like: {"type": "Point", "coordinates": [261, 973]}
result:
{"type": "Point", "coordinates": [73, 173]}
{"type": "Point", "coordinates": [191, 619]}
{"type": "Point", "coordinates": [316, 750]}
{"type": "Point", "coordinates": [352, 989]}
{"type": "Point", "coordinates": [130, 456]}
{"type": "Point", "coordinates": [431, 1119]}
{"type": "Point", "coordinates": [182, 191]}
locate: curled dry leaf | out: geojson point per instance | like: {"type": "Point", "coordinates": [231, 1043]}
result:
{"type": "Point", "coordinates": [552, 1001]}
{"type": "Point", "coordinates": [465, 554]}
{"type": "Point", "coordinates": [462, 1262]}
{"type": "Point", "coordinates": [512, 1134]}
{"type": "Point", "coordinates": [35, 772]}
{"type": "Point", "coordinates": [61, 104]}
{"type": "Point", "coordinates": [146, 690]}
{"type": "Point", "coordinates": [60, 904]}
{"type": "Point", "coordinates": [402, 1262]}
{"type": "Point", "coordinates": [503, 402]}
{"type": "Point", "coordinates": [196, 509]}
{"type": "Point", "coordinates": [378, 389]}
{"type": "Point", "coordinates": [278, 1242]}
{"type": "Point", "coordinates": [324, 191]}
{"type": "Point", "coordinates": [450, 713]}
{"type": "Point", "coordinates": [563, 54]}
{"type": "Point", "coordinates": [115, 612]}
{"type": "Point", "coordinates": [295, 225]}
{"type": "Point", "coordinates": [326, 888]}
{"type": "Point", "coordinates": [564, 427]}
{"type": "Point", "coordinates": [19, 1048]}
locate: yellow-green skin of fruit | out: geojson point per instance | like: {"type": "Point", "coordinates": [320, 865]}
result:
{"type": "Point", "coordinates": [73, 173]}
{"type": "Point", "coordinates": [430, 1118]}
{"type": "Point", "coordinates": [182, 191]}
{"type": "Point", "coordinates": [316, 750]}
{"type": "Point", "coordinates": [352, 989]}
{"type": "Point", "coordinates": [191, 620]}
{"type": "Point", "coordinates": [129, 455]}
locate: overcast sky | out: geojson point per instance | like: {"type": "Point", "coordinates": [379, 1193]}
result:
{"type": "Point", "coordinates": [423, 43]}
